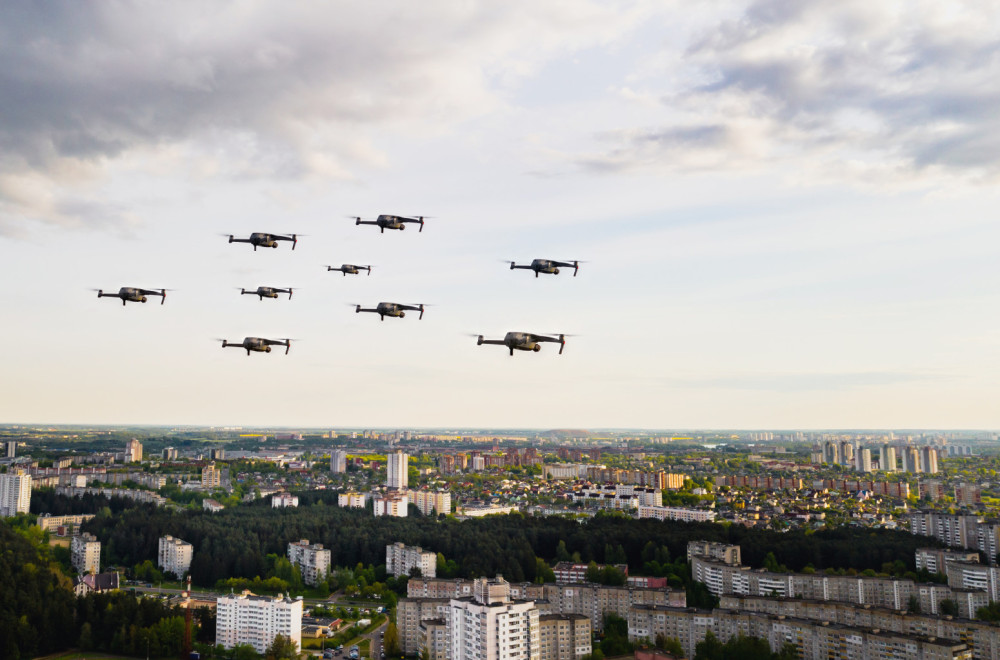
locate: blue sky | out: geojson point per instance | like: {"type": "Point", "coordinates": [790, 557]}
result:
{"type": "Point", "coordinates": [787, 212]}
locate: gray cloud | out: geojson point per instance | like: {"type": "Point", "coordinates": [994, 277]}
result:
{"type": "Point", "coordinates": [279, 91]}
{"type": "Point", "coordinates": [880, 83]}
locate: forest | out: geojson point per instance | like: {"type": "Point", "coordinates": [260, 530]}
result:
{"type": "Point", "coordinates": [236, 542]}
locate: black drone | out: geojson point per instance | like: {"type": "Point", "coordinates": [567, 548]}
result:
{"type": "Point", "coordinates": [258, 344]}
{"type": "Point", "coordinates": [350, 269]}
{"type": "Point", "coordinates": [133, 294]}
{"type": "Point", "coordinates": [385, 309]}
{"type": "Point", "coordinates": [524, 341]}
{"type": "Point", "coordinates": [384, 222]}
{"type": "Point", "coordinates": [266, 292]}
{"type": "Point", "coordinates": [262, 239]}
{"type": "Point", "coordinates": [548, 266]}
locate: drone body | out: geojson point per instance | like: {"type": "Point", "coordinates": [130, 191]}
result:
{"type": "Point", "coordinates": [384, 222]}
{"type": "Point", "coordinates": [524, 341]}
{"type": "Point", "coordinates": [396, 310]}
{"type": "Point", "coordinates": [548, 266]}
{"type": "Point", "coordinates": [263, 239]}
{"type": "Point", "coordinates": [350, 269]}
{"type": "Point", "coordinates": [134, 294]}
{"type": "Point", "coordinates": [258, 344]}
{"type": "Point", "coordinates": [266, 292]}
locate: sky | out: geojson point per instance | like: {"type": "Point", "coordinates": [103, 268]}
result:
{"type": "Point", "coordinates": [787, 212]}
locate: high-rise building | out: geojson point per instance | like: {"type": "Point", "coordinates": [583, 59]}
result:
{"type": "Point", "coordinates": [85, 553]}
{"type": "Point", "coordinates": [9, 448]}
{"type": "Point", "coordinates": [564, 636]}
{"type": "Point", "coordinates": [313, 561]}
{"type": "Point", "coordinates": [831, 453]}
{"type": "Point", "coordinates": [170, 454]}
{"type": "Point", "coordinates": [863, 460]}
{"type": "Point", "coordinates": [968, 495]}
{"type": "Point", "coordinates": [352, 500]}
{"type": "Point", "coordinates": [133, 451]}
{"type": "Point", "coordinates": [15, 493]}
{"type": "Point", "coordinates": [490, 626]}
{"type": "Point", "coordinates": [847, 453]}
{"type": "Point", "coordinates": [391, 504]}
{"type": "Point", "coordinates": [929, 460]}
{"type": "Point", "coordinates": [887, 458]}
{"type": "Point", "coordinates": [401, 559]}
{"type": "Point", "coordinates": [431, 502]}
{"type": "Point", "coordinates": [396, 470]}
{"type": "Point", "coordinates": [256, 620]}
{"type": "Point", "coordinates": [911, 460]}
{"type": "Point", "coordinates": [211, 477]}
{"type": "Point", "coordinates": [338, 461]}
{"type": "Point", "coordinates": [174, 555]}
{"type": "Point", "coordinates": [217, 454]}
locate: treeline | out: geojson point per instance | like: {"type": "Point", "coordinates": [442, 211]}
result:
{"type": "Point", "coordinates": [236, 542]}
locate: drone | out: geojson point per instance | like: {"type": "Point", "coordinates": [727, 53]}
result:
{"type": "Point", "coordinates": [262, 239]}
{"type": "Point", "coordinates": [384, 222]}
{"type": "Point", "coordinates": [133, 294]}
{"type": "Point", "coordinates": [350, 269]}
{"type": "Point", "coordinates": [548, 266]}
{"type": "Point", "coordinates": [267, 292]}
{"type": "Point", "coordinates": [385, 309]}
{"type": "Point", "coordinates": [524, 341]}
{"type": "Point", "coordinates": [258, 344]}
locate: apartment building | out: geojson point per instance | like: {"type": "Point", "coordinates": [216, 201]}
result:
{"type": "Point", "coordinates": [564, 636]}
{"type": "Point", "coordinates": [313, 561]}
{"type": "Point", "coordinates": [411, 613]}
{"type": "Point", "coordinates": [391, 504]}
{"type": "Point", "coordinates": [284, 500]}
{"type": "Point", "coordinates": [174, 555]}
{"type": "Point", "coordinates": [397, 476]}
{"type": "Point", "coordinates": [352, 500]}
{"type": "Point", "coordinates": [934, 560]}
{"type": "Point", "coordinates": [256, 620]}
{"type": "Point", "coordinates": [568, 572]}
{"type": "Point", "coordinates": [676, 513]}
{"type": "Point", "coordinates": [133, 451]}
{"type": "Point", "coordinates": [15, 493]}
{"type": "Point", "coordinates": [62, 525]}
{"type": "Point", "coordinates": [723, 552]}
{"type": "Point", "coordinates": [491, 626]}
{"type": "Point", "coordinates": [85, 553]}
{"type": "Point", "coordinates": [338, 461]}
{"type": "Point", "coordinates": [211, 477]}
{"type": "Point", "coordinates": [401, 559]}
{"type": "Point", "coordinates": [431, 502]}
{"type": "Point", "coordinates": [814, 640]}
{"type": "Point", "coordinates": [959, 530]}
{"type": "Point", "coordinates": [590, 600]}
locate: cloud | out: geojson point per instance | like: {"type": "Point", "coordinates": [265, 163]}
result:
{"type": "Point", "coordinates": [260, 90]}
{"type": "Point", "coordinates": [893, 89]}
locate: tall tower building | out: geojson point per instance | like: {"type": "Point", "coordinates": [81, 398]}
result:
{"type": "Point", "coordinates": [911, 459]}
{"type": "Point", "coordinates": [85, 553]}
{"type": "Point", "coordinates": [15, 493]}
{"type": "Point", "coordinates": [928, 460]}
{"type": "Point", "coordinates": [887, 458]}
{"type": "Point", "coordinates": [863, 460]}
{"type": "Point", "coordinates": [831, 453]}
{"type": "Point", "coordinates": [9, 448]}
{"type": "Point", "coordinates": [256, 620]}
{"type": "Point", "coordinates": [396, 475]}
{"type": "Point", "coordinates": [133, 451]}
{"type": "Point", "coordinates": [338, 461]}
{"type": "Point", "coordinates": [490, 626]}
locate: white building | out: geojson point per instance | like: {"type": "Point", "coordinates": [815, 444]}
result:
{"type": "Point", "coordinates": [352, 500]}
{"type": "Point", "coordinates": [338, 461]}
{"type": "Point", "coordinates": [85, 553]}
{"type": "Point", "coordinates": [256, 620]}
{"type": "Point", "coordinates": [490, 626]}
{"type": "Point", "coordinates": [313, 561]}
{"type": "Point", "coordinates": [15, 493]}
{"type": "Point", "coordinates": [929, 460]}
{"type": "Point", "coordinates": [391, 504]}
{"type": "Point", "coordinates": [863, 460]}
{"type": "Point", "coordinates": [676, 513]}
{"type": "Point", "coordinates": [133, 451]}
{"type": "Point", "coordinates": [430, 502]}
{"type": "Point", "coordinates": [282, 500]}
{"type": "Point", "coordinates": [401, 559]}
{"type": "Point", "coordinates": [174, 555]}
{"type": "Point", "coordinates": [396, 466]}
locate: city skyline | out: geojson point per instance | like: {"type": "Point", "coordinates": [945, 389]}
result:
{"type": "Point", "coordinates": [786, 214]}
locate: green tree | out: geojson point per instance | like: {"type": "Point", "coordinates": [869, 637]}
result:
{"type": "Point", "coordinates": [282, 648]}
{"type": "Point", "coordinates": [391, 640]}
{"type": "Point", "coordinates": [949, 607]}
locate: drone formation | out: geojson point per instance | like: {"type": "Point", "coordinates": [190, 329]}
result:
{"type": "Point", "coordinates": [514, 341]}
